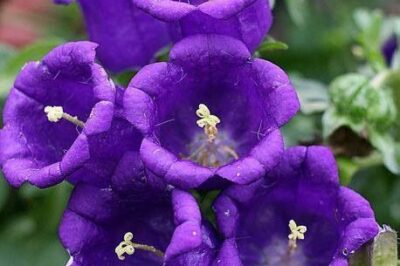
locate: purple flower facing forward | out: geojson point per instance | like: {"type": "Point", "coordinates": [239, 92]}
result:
{"type": "Point", "coordinates": [102, 227]}
{"type": "Point", "coordinates": [298, 215]}
{"type": "Point", "coordinates": [245, 20]}
{"type": "Point", "coordinates": [212, 111]}
{"type": "Point", "coordinates": [127, 37]}
{"type": "Point", "coordinates": [389, 48]}
{"type": "Point", "coordinates": [59, 115]}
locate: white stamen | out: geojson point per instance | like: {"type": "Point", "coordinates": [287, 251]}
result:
{"type": "Point", "coordinates": [54, 113]}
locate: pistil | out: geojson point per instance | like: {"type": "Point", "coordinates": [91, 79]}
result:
{"type": "Point", "coordinates": [56, 113]}
{"type": "Point", "coordinates": [212, 151]}
{"type": "Point", "coordinates": [208, 122]}
{"type": "Point", "coordinates": [296, 232]}
{"type": "Point", "coordinates": [128, 247]}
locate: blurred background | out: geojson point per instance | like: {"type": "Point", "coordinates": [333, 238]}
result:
{"type": "Point", "coordinates": [332, 49]}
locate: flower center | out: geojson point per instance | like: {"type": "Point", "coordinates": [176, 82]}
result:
{"type": "Point", "coordinates": [128, 247]}
{"type": "Point", "coordinates": [212, 148]}
{"type": "Point", "coordinates": [56, 113]}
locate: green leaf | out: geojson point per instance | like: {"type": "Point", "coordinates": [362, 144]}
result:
{"type": "Point", "coordinates": [270, 44]}
{"type": "Point", "coordinates": [370, 24]}
{"type": "Point", "coordinates": [347, 168]}
{"type": "Point", "coordinates": [389, 148]}
{"type": "Point", "coordinates": [4, 191]}
{"type": "Point", "coordinates": [359, 105]}
{"type": "Point", "coordinates": [6, 53]}
{"type": "Point", "coordinates": [345, 93]}
{"type": "Point", "coordinates": [302, 129]}
{"type": "Point", "coordinates": [33, 52]}
{"type": "Point", "coordinates": [332, 120]}
{"type": "Point", "coordinates": [382, 189]}
{"type": "Point", "coordinates": [313, 94]}
{"type": "Point", "coordinates": [124, 78]}
{"type": "Point", "coordinates": [163, 54]}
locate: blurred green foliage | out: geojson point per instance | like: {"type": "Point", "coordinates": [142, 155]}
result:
{"type": "Point", "coordinates": [331, 50]}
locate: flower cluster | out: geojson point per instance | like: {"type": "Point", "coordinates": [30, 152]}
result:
{"type": "Point", "coordinates": [208, 119]}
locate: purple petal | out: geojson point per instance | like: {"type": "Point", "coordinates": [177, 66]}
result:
{"type": "Point", "coordinates": [41, 152]}
{"type": "Point", "coordinates": [245, 20]}
{"type": "Point", "coordinates": [303, 187]}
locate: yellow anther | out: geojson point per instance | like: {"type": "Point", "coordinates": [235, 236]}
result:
{"type": "Point", "coordinates": [296, 232]}
{"type": "Point", "coordinates": [54, 113]}
{"type": "Point", "coordinates": [207, 121]}
{"type": "Point", "coordinates": [128, 247]}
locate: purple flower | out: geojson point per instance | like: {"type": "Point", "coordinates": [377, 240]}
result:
{"type": "Point", "coordinates": [252, 98]}
{"type": "Point", "coordinates": [245, 20]}
{"type": "Point", "coordinates": [100, 227]}
{"type": "Point", "coordinates": [61, 120]}
{"type": "Point", "coordinates": [127, 37]}
{"type": "Point", "coordinates": [389, 48]}
{"type": "Point", "coordinates": [297, 215]}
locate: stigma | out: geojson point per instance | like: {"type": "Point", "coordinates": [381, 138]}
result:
{"type": "Point", "coordinates": [208, 122]}
{"type": "Point", "coordinates": [56, 113]}
{"type": "Point", "coordinates": [128, 247]}
{"type": "Point", "coordinates": [125, 246]}
{"type": "Point", "coordinates": [211, 149]}
{"type": "Point", "coordinates": [296, 232]}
